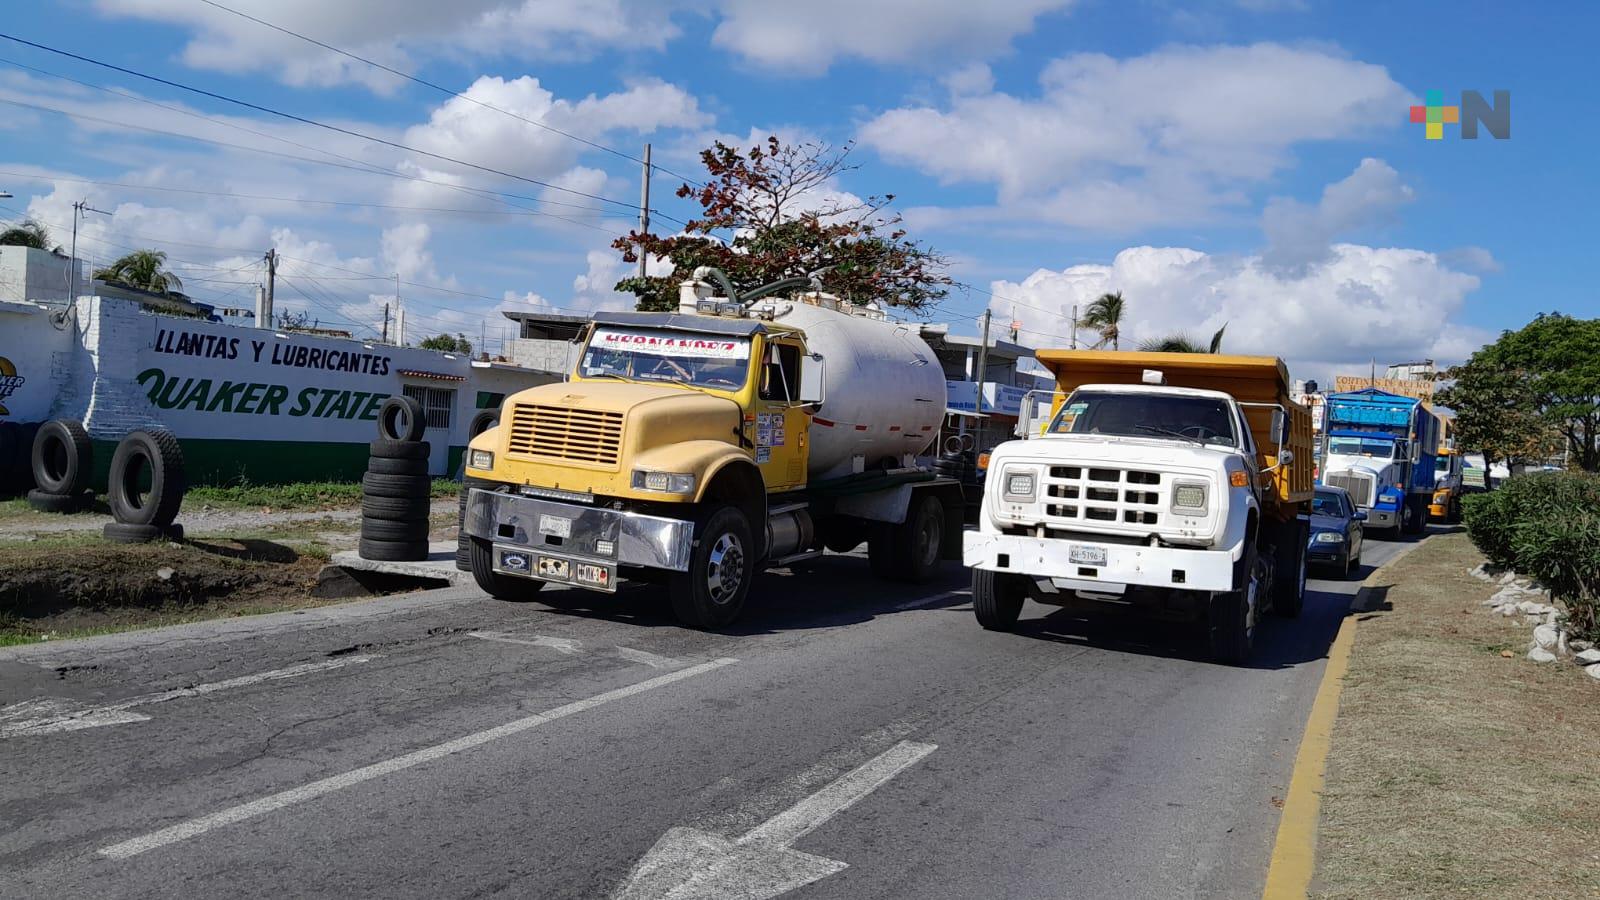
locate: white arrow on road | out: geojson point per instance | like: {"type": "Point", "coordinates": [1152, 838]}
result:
{"type": "Point", "coordinates": [688, 864]}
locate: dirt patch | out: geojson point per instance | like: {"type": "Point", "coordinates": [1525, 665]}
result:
{"type": "Point", "coordinates": [67, 586]}
{"type": "Point", "coordinates": [1456, 771]}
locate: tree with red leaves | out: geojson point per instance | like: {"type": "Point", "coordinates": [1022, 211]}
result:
{"type": "Point", "coordinates": [782, 217]}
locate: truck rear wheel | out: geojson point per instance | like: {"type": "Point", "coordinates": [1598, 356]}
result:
{"type": "Point", "coordinates": [997, 598]}
{"type": "Point", "coordinates": [913, 546]}
{"type": "Point", "coordinates": [712, 592]}
{"type": "Point", "coordinates": [496, 585]}
{"type": "Point", "coordinates": [1231, 620]}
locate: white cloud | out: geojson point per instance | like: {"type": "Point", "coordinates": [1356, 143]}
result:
{"type": "Point", "coordinates": [1168, 137]}
{"type": "Point", "coordinates": [1299, 235]}
{"type": "Point", "coordinates": [1361, 303]}
{"type": "Point", "coordinates": [809, 37]}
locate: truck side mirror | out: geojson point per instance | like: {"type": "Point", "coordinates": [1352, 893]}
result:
{"type": "Point", "coordinates": [813, 390]}
{"type": "Point", "coordinates": [1280, 426]}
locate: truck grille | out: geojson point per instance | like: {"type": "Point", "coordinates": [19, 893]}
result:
{"type": "Point", "coordinates": [1358, 484]}
{"type": "Point", "coordinates": [1092, 494]}
{"type": "Point", "coordinates": [558, 432]}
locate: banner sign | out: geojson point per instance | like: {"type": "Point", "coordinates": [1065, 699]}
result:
{"type": "Point", "coordinates": [1422, 390]}
{"type": "Point", "coordinates": [666, 343]}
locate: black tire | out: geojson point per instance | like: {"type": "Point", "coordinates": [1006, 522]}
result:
{"type": "Point", "coordinates": [377, 465]}
{"type": "Point", "coordinates": [374, 485]}
{"type": "Point", "coordinates": [482, 422]}
{"type": "Point", "coordinates": [1352, 566]}
{"type": "Point", "coordinates": [1289, 581]}
{"type": "Point", "coordinates": [10, 439]}
{"type": "Point", "coordinates": [157, 451]}
{"type": "Point", "coordinates": [401, 419]}
{"type": "Point", "coordinates": [127, 533]}
{"type": "Point", "coordinates": [915, 543]}
{"type": "Point", "coordinates": [1414, 518]}
{"type": "Point", "coordinates": [1453, 513]}
{"type": "Point", "coordinates": [843, 535]}
{"type": "Point", "coordinates": [62, 457]}
{"type": "Point", "coordinates": [383, 448]}
{"type": "Point", "coordinates": [712, 593]}
{"type": "Point", "coordinates": [997, 598]}
{"type": "Point", "coordinates": [396, 509]}
{"type": "Point", "coordinates": [480, 562]}
{"type": "Point", "coordinates": [54, 503]}
{"type": "Point", "coordinates": [1229, 625]}
{"type": "Point", "coordinates": [394, 531]}
{"type": "Point", "coordinates": [464, 540]}
{"type": "Point", "coordinates": [21, 459]}
{"type": "Point", "coordinates": [392, 551]}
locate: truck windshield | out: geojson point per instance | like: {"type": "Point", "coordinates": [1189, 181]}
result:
{"type": "Point", "coordinates": [714, 361]}
{"type": "Point", "coordinates": [1442, 464]}
{"type": "Point", "coordinates": [1356, 446]}
{"type": "Point", "coordinates": [1206, 420]}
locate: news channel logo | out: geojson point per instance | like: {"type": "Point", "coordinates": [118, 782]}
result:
{"type": "Point", "coordinates": [1471, 112]}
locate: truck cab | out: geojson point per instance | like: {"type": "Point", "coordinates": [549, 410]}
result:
{"type": "Point", "coordinates": [1176, 498]}
{"type": "Point", "coordinates": [1448, 472]}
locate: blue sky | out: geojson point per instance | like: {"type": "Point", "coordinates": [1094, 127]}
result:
{"type": "Point", "coordinates": [1247, 164]}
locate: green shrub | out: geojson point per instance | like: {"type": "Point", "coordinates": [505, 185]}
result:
{"type": "Point", "coordinates": [1546, 526]}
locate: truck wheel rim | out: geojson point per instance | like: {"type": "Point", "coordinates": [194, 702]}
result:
{"type": "Point", "coordinates": [928, 536]}
{"type": "Point", "coordinates": [724, 569]}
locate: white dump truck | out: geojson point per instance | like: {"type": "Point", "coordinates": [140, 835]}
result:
{"type": "Point", "coordinates": [1176, 483]}
{"type": "Point", "coordinates": [692, 448]}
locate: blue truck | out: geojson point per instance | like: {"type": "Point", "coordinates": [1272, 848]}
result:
{"type": "Point", "coordinates": [1381, 447]}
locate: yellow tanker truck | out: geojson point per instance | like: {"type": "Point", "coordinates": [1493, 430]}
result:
{"type": "Point", "coordinates": [693, 448]}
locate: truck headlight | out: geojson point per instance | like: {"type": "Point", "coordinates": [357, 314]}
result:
{"type": "Point", "coordinates": [1329, 537]}
{"type": "Point", "coordinates": [480, 459]}
{"type": "Point", "coordinates": [665, 482]}
{"type": "Point", "coordinates": [1020, 486]}
{"type": "Point", "coordinates": [1189, 496]}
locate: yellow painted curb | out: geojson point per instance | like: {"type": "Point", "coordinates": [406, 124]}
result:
{"type": "Point", "coordinates": [1294, 852]}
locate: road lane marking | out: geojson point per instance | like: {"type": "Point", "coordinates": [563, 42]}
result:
{"type": "Point", "coordinates": [232, 815]}
{"type": "Point", "coordinates": [647, 658]}
{"type": "Point", "coordinates": [565, 646]}
{"type": "Point", "coordinates": [689, 864]}
{"type": "Point", "coordinates": [49, 715]}
{"type": "Point", "coordinates": [929, 601]}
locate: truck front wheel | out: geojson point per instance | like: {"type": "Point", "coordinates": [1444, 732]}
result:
{"type": "Point", "coordinates": [496, 585]}
{"type": "Point", "coordinates": [997, 599]}
{"type": "Point", "coordinates": [712, 592]}
{"type": "Point", "coordinates": [1231, 621]}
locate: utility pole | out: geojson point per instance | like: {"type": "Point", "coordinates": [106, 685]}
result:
{"type": "Point", "coordinates": [1074, 326]}
{"type": "Point", "coordinates": [265, 321]}
{"type": "Point", "coordinates": [399, 313]}
{"type": "Point", "coordinates": [385, 338]}
{"type": "Point", "coordinates": [78, 209]}
{"type": "Point", "coordinates": [644, 211]}
{"type": "Point", "coordinates": [983, 361]}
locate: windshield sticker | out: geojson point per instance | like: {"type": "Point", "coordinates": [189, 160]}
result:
{"type": "Point", "coordinates": [666, 344]}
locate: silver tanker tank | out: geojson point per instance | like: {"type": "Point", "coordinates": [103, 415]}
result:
{"type": "Point", "coordinates": [884, 389]}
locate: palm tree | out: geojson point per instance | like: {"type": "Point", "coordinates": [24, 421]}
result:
{"type": "Point", "coordinates": [1105, 316]}
{"type": "Point", "coordinates": [29, 234]}
{"type": "Point", "coordinates": [1182, 343]}
{"type": "Point", "coordinates": [141, 269]}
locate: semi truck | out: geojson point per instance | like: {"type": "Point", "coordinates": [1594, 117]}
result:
{"type": "Point", "coordinates": [1177, 484]}
{"type": "Point", "coordinates": [1381, 447]}
{"type": "Point", "coordinates": [695, 447]}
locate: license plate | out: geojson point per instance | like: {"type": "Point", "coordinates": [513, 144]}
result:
{"type": "Point", "coordinates": [555, 526]}
{"type": "Point", "coordinates": [1087, 556]}
{"type": "Point", "coordinates": [550, 567]}
{"type": "Point", "coordinates": [596, 576]}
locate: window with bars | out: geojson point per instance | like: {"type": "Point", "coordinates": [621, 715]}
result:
{"type": "Point", "coordinates": [436, 403]}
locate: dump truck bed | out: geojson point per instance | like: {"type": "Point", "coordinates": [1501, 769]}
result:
{"type": "Point", "coordinates": [1248, 379]}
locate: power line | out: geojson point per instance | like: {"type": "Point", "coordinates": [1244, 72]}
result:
{"type": "Point", "coordinates": [312, 122]}
{"type": "Point", "coordinates": [444, 90]}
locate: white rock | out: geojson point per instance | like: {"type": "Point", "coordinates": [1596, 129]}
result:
{"type": "Point", "coordinates": [1587, 657]}
{"type": "Point", "coordinates": [1551, 617]}
{"type": "Point", "coordinates": [164, 573]}
{"type": "Point", "coordinates": [1594, 672]}
{"type": "Point", "coordinates": [1508, 577]}
{"type": "Point", "coordinates": [1529, 607]}
{"type": "Point", "coordinates": [1509, 610]}
{"type": "Point", "coordinates": [1580, 645]}
{"type": "Point", "coordinates": [1546, 636]}
{"type": "Point", "coordinates": [1541, 655]}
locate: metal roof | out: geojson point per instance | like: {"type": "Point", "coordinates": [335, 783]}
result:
{"type": "Point", "coordinates": [681, 322]}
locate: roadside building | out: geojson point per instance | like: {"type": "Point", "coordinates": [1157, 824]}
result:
{"type": "Point", "coordinates": [1004, 382]}
{"type": "Point", "coordinates": [546, 342]}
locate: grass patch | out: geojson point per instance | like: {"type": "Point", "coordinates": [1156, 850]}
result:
{"type": "Point", "coordinates": [1456, 771]}
{"type": "Point", "coordinates": [304, 495]}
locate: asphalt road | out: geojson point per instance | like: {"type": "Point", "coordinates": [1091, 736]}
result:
{"type": "Point", "coordinates": [855, 739]}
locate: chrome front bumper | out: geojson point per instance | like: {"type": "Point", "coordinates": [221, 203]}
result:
{"type": "Point", "coordinates": [591, 533]}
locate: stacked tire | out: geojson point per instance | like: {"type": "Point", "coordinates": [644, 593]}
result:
{"type": "Point", "coordinates": [145, 488]}
{"type": "Point", "coordinates": [396, 490]}
{"type": "Point", "coordinates": [60, 460]}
